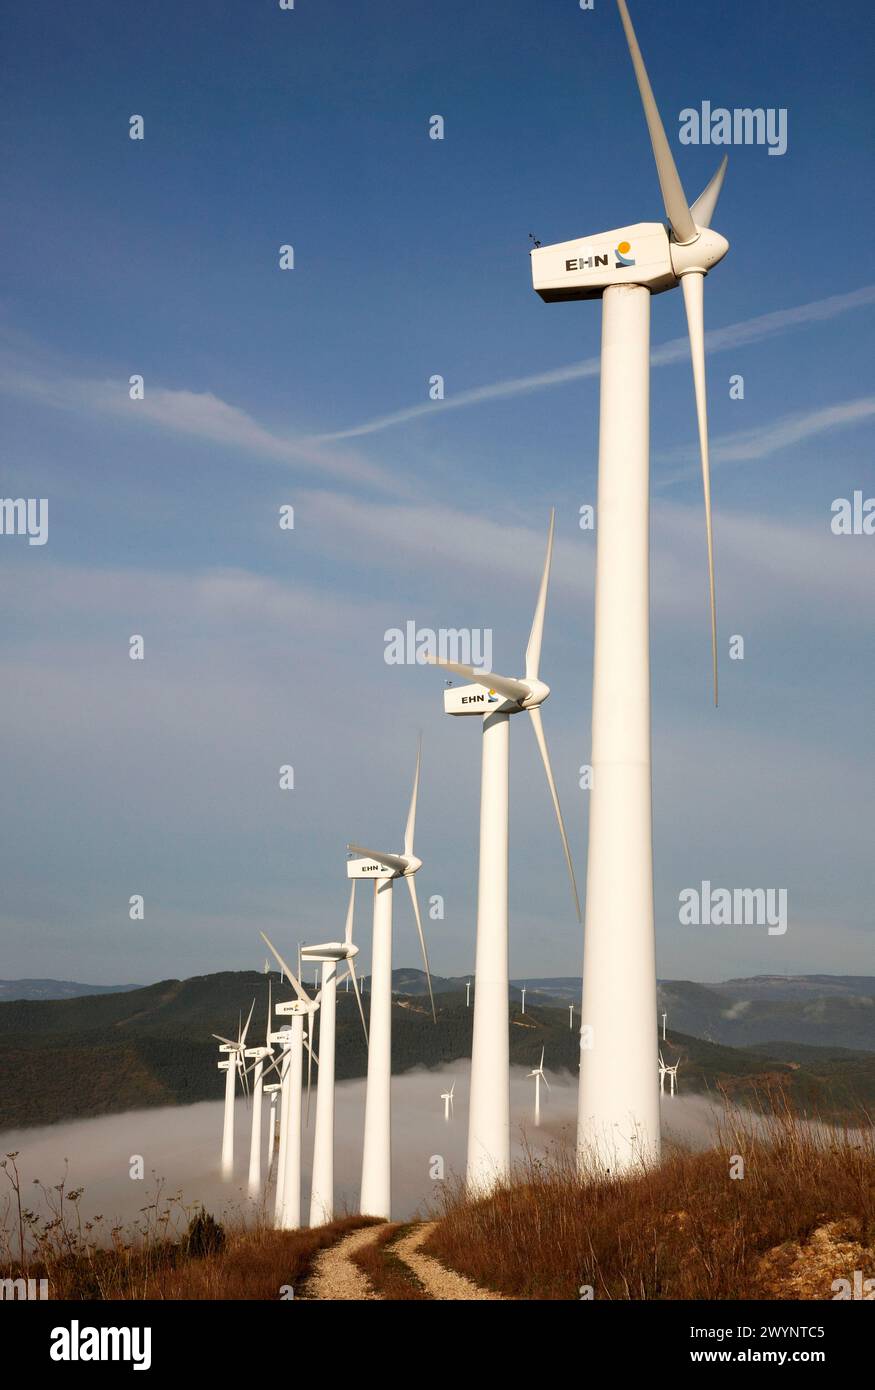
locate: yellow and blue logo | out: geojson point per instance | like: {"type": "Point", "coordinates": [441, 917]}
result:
{"type": "Point", "coordinates": [492, 697]}
{"type": "Point", "coordinates": [622, 254]}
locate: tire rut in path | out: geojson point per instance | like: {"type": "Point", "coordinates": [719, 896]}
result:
{"type": "Point", "coordinates": [438, 1281]}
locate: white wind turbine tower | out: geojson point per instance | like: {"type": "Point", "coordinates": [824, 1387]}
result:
{"type": "Point", "coordinates": [495, 698]}
{"type": "Point", "coordinates": [447, 1098]}
{"type": "Point", "coordinates": [618, 1113]}
{"type": "Point", "coordinates": [384, 869]}
{"type": "Point", "coordinates": [663, 1069]}
{"type": "Point", "coordinates": [673, 1077]}
{"type": "Point", "coordinates": [273, 1090]}
{"type": "Point", "coordinates": [524, 999]}
{"type": "Point", "coordinates": [539, 1076]}
{"type": "Point", "coordinates": [259, 1055]}
{"type": "Point", "coordinates": [234, 1052]}
{"type": "Point", "coordinates": [287, 1197]}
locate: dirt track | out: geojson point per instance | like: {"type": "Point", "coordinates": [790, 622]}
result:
{"type": "Point", "coordinates": [336, 1277]}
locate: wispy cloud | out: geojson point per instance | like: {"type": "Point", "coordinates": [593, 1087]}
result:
{"type": "Point", "coordinates": [198, 414]}
{"type": "Point", "coordinates": [677, 350]}
{"type": "Point", "coordinates": [763, 440]}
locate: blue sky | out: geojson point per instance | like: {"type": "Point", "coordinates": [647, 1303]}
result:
{"type": "Point", "coordinates": [264, 647]}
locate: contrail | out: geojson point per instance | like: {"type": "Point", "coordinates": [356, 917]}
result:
{"type": "Point", "coordinates": [677, 350]}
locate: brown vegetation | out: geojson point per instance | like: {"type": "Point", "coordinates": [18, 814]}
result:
{"type": "Point", "coordinates": [802, 1215]}
{"type": "Point", "coordinates": [155, 1260]}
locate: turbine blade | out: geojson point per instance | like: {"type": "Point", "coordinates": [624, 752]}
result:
{"type": "Point", "coordinates": [674, 198]}
{"type": "Point", "coordinates": [538, 726]}
{"type": "Point", "coordinates": [542, 1059]}
{"type": "Point", "coordinates": [358, 998]}
{"type": "Point", "coordinates": [289, 974]}
{"type": "Point", "coordinates": [230, 1041]}
{"type": "Point", "coordinates": [391, 861]}
{"type": "Point", "coordinates": [271, 1064]}
{"type": "Point", "coordinates": [309, 1068]}
{"type": "Point", "coordinates": [411, 884]}
{"type": "Point", "coordinates": [536, 636]}
{"type": "Point", "coordinates": [505, 685]}
{"type": "Point", "coordinates": [545, 1081]}
{"type": "Point", "coordinates": [411, 814]}
{"type": "Point", "coordinates": [248, 1021]}
{"type": "Point", "coordinates": [693, 286]}
{"type": "Point", "coordinates": [702, 210]}
{"type": "Point", "coordinates": [350, 913]}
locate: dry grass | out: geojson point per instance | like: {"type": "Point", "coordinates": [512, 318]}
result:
{"type": "Point", "coordinates": [154, 1259]}
{"type": "Point", "coordinates": [256, 1264]}
{"type": "Point", "coordinates": [684, 1230]}
{"type": "Point", "coordinates": [390, 1277]}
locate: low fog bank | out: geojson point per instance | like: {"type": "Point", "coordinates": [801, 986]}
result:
{"type": "Point", "coordinates": [180, 1146]}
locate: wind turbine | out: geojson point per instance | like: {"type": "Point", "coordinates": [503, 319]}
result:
{"type": "Point", "coordinates": [618, 1111]}
{"type": "Point", "coordinates": [524, 999]}
{"type": "Point", "coordinates": [539, 1076]}
{"type": "Point", "coordinates": [664, 1017]}
{"type": "Point", "coordinates": [673, 1077]}
{"type": "Point", "coordinates": [384, 869]}
{"type": "Point", "coordinates": [495, 698]}
{"type": "Point", "coordinates": [259, 1054]}
{"type": "Point", "coordinates": [234, 1051]}
{"type": "Point", "coordinates": [287, 1197]}
{"type": "Point", "coordinates": [327, 954]}
{"type": "Point", "coordinates": [570, 1015]}
{"type": "Point", "coordinates": [663, 1069]}
{"type": "Point", "coordinates": [447, 1098]}
{"type": "Point", "coordinates": [467, 994]}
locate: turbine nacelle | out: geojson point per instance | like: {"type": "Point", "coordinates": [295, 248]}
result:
{"type": "Point", "coordinates": [509, 696]}
{"type": "Point", "coordinates": [644, 254]}
{"type": "Point", "coordinates": [376, 864]}
{"type": "Point", "coordinates": [329, 951]}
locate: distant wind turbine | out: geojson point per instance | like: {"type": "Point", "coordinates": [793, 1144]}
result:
{"type": "Point", "coordinates": [539, 1076]}
{"type": "Point", "coordinates": [447, 1098]}
{"type": "Point", "coordinates": [292, 1040]}
{"type": "Point", "coordinates": [329, 953]}
{"type": "Point", "coordinates": [234, 1051]}
{"type": "Point", "coordinates": [259, 1055]}
{"type": "Point", "coordinates": [495, 698]}
{"type": "Point", "coordinates": [383, 869]}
